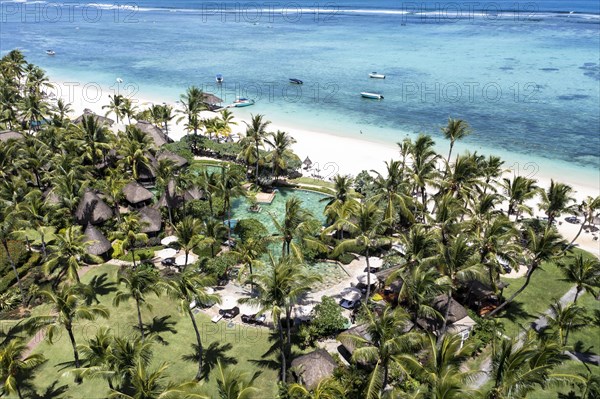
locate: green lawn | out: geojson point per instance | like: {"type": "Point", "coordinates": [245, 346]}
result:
{"type": "Point", "coordinates": [544, 288]}
{"type": "Point", "coordinates": [239, 346]}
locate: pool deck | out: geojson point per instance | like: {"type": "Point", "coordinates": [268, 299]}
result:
{"type": "Point", "coordinates": [265, 198]}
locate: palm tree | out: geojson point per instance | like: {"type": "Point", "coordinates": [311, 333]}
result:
{"type": "Point", "coordinates": [392, 192]}
{"type": "Point", "coordinates": [207, 181]}
{"type": "Point", "coordinates": [249, 252]}
{"type": "Point", "coordinates": [67, 254]}
{"type": "Point", "coordinates": [8, 221]}
{"type": "Point", "coordinates": [456, 264]}
{"type": "Point", "coordinates": [366, 225]}
{"type": "Point", "coordinates": [112, 188]}
{"type": "Point", "coordinates": [115, 105]}
{"type": "Point", "coordinates": [188, 287]}
{"type": "Point", "coordinates": [15, 367]}
{"type": "Point", "coordinates": [519, 190]}
{"type": "Point", "coordinates": [229, 186]}
{"type": "Point", "coordinates": [97, 356]}
{"type": "Point", "coordinates": [188, 234]}
{"type": "Point", "coordinates": [520, 367]}
{"type": "Point", "coordinates": [440, 368]}
{"type": "Point", "coordinates": [456, 129]}
{"type": "Point", "coordinates": [541, 247]}
{"type": "Point", "coordinates": [329, 388]}
{"type": "Point", "coordinates": [33, 110]}
{"type": "Point", "coordinates": [584, 272]}
{"type": "Point", "coordinates": [213, 231]}
{"type": "Point", "coordinates": [148, 384]}
{"type": "Point", "coordinates": [134, 146]}
{"type": "Point", "coordinates": [256, 133]}
{"type": "Point", "coordinates": [564, 319]}
{"type": "Point", "coordinates": [385, 344]}
{"type": "Point", "coordinates": [128, 109]}
{"type": "Point", "coordinates": [588, 208]}
{"type": "Point", "coordinates": [279, 288]}
{"type": "Point", "coordinates": [67, 308]}
{"type": "Point", "coordinates": [94, 138]}
{"type": "Point", "coordinates": [293, 221]}
{"type": "Point", "coordinates": [281, 143]}
{"type": "Point", "coordinates": [234, 384]}
{"type": "Point", "coordinates": [555, 200]}
{"type": "Point", "coordinates": [192, 102]}
{"type": "Point", "coordinates": [138, 283]}
{"type": "Point", "coordinates": [424, 169]}
{"type": "Point", "coordinates": [128, 235]}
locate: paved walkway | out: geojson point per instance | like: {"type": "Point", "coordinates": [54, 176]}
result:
{"type": "Point", "coordinates": [486, 365]}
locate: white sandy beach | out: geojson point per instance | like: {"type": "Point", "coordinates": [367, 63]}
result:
{"type": "Point", "coordinates": [334, 154]}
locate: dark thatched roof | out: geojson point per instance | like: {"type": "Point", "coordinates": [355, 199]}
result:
{"type": "Point", "coordinates": [151, 219]}
{"type": "Point", "coordinates": [455, 313]}
{"type": "Point", "coordinates": [10, 135]}
{"type": "Point", "coordinates": [177, 159]}
{"type": "Point", "coordinates": [99, 118]}
{"type": "Point", "coordinates": [359, 331]}
{"type": "Point", "coordinates": [92, 209]}
{"type": "Point", "coordinates": [312, 368]}
{"type": "Point", "coordinates": [211, 99]}
{"type": "Point", "coordinates": [156, 134]}
{"type": "Point", "coordinates": [383, 275]}
{"type": "Point", "coordinates": [97, 243]}
{"type": "Point", "coordinates": [193, 193]}
{"type": "Point", "coordinates": [170, 197]}
{"type": "Point", "coordinates": [135, 193]}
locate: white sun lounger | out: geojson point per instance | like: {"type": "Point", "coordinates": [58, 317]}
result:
{"type": "Point", "coordinates": [216, 318]}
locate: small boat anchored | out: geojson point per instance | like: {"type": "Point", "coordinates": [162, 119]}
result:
{"type": "Point", "coordinates": [50, 52]}
{"type": "Point", "coordinates": [241, 102]}
{"type": "Point", "coordinates": [219, 78]}
{"type": "Point", "coordinates": [375, 75]}
{"type": "Point", "coordinates": [296, 81]}
{"type": "Point", "coordinates": [373, 96]}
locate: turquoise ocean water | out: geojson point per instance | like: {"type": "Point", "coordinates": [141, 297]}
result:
{"type": "Point", "coordinates": [526, 75]}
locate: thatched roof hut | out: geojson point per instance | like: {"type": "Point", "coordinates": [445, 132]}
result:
{"type": "Point", "coordinates": [312, 368]}
{"type": "Point", "coordinates": [135, 193]}
{"type": "Point", "coordinates": [99, 118]}
{"type": "Point", "coordinates": [177, 159]}
{"type": "Point", "coordinates": [383, 275]}
{"type": "Point", "coordinates": [170, 197]}
{"type": "Point", "coordinates": [156, 134]}
{"type": "Point", "coordinates": [151, 220]}
{"type": "Point", "coordinates": [359, 331]}
{"type": "Point", "coordinates": [97, 243]}
{"type": "Point", "coordinates": [440, 303]}
{"type": "Point", "coordinates": [92, 209]}
{"type": "Point", "coordinates": [10, 135]}
{"type": "Point", "coordinates": [194, 193]}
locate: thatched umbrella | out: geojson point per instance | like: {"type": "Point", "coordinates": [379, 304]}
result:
{"type": "Point", "coordinates": [151, 220]}
{"type": "Point", "coordinates": [99, 118]}
{"type": "Point", "coordinates": [312, 368]}
{"type": "Point", "coordinates": [97, 243]}
{"type": "Point", "coordinates": [456, 311]}
{"type": "Point", "coordinates": [92, 209]}
{"type": "Point", "coordinates": [307, 163]}
{"type": "Point", "coordinates": [177, 159]}
{"type": "Point", "coordinates": [135, 193]}
{"type": "Point", "coordinates": [351, 294]}
{"type": "Point", "coordinates": [194, 193]}
{"type": "Point", "coordinates": [211, 99]}
{"type": "Point", "coordinates": [10, 135]}
{"type": "Point", "coordinates": [156, 134]}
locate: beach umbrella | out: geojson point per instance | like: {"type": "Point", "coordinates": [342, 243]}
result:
{"type": "Point", "coordinates": [180, 260]}
{"type": "Point", "coordinates": [168, 240]}
{"type": "Point", "coordinates": [362, 278]}
{"type": "Point", "coordinates": [307, 162]}
{"type": "Point", "coordinates": [375, 263]}
{"type": "Point", "coordinates": [596, 220]}
{"type": "Point", "coordinates": [351, 294]}
{"type": "Point", "coordinates": [228, 302]}
{"type": "Point", "coordinates": [246, 308]}
{"type": "Point", "coordinates": [166, 253]}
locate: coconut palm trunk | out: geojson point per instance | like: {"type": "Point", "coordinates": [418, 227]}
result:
{"type": "Point", "coordinates": [282, 350]}
{"type": "Point", "coordinates": [14, 267]}
{"type": "Point", "coordinates": [199, 342]}
{"type": "Point", "coordinates": [139, 315]}
{"type": "Point", "coordinates": [513, 296]}
{"type": "Point", "coordinates": [368, 275]}
{"type": "Point", "coordinates": [69, 329]}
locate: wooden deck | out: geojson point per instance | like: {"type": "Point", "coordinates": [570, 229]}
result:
{"type": "Point", "coordinates": [265, 198]}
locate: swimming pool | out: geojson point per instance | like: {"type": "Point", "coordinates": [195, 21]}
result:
{"type": "Point", "coordinates": [311, 201]}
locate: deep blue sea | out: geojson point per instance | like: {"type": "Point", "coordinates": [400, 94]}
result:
{"type": "Point", "coordinates": [525, 75]}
